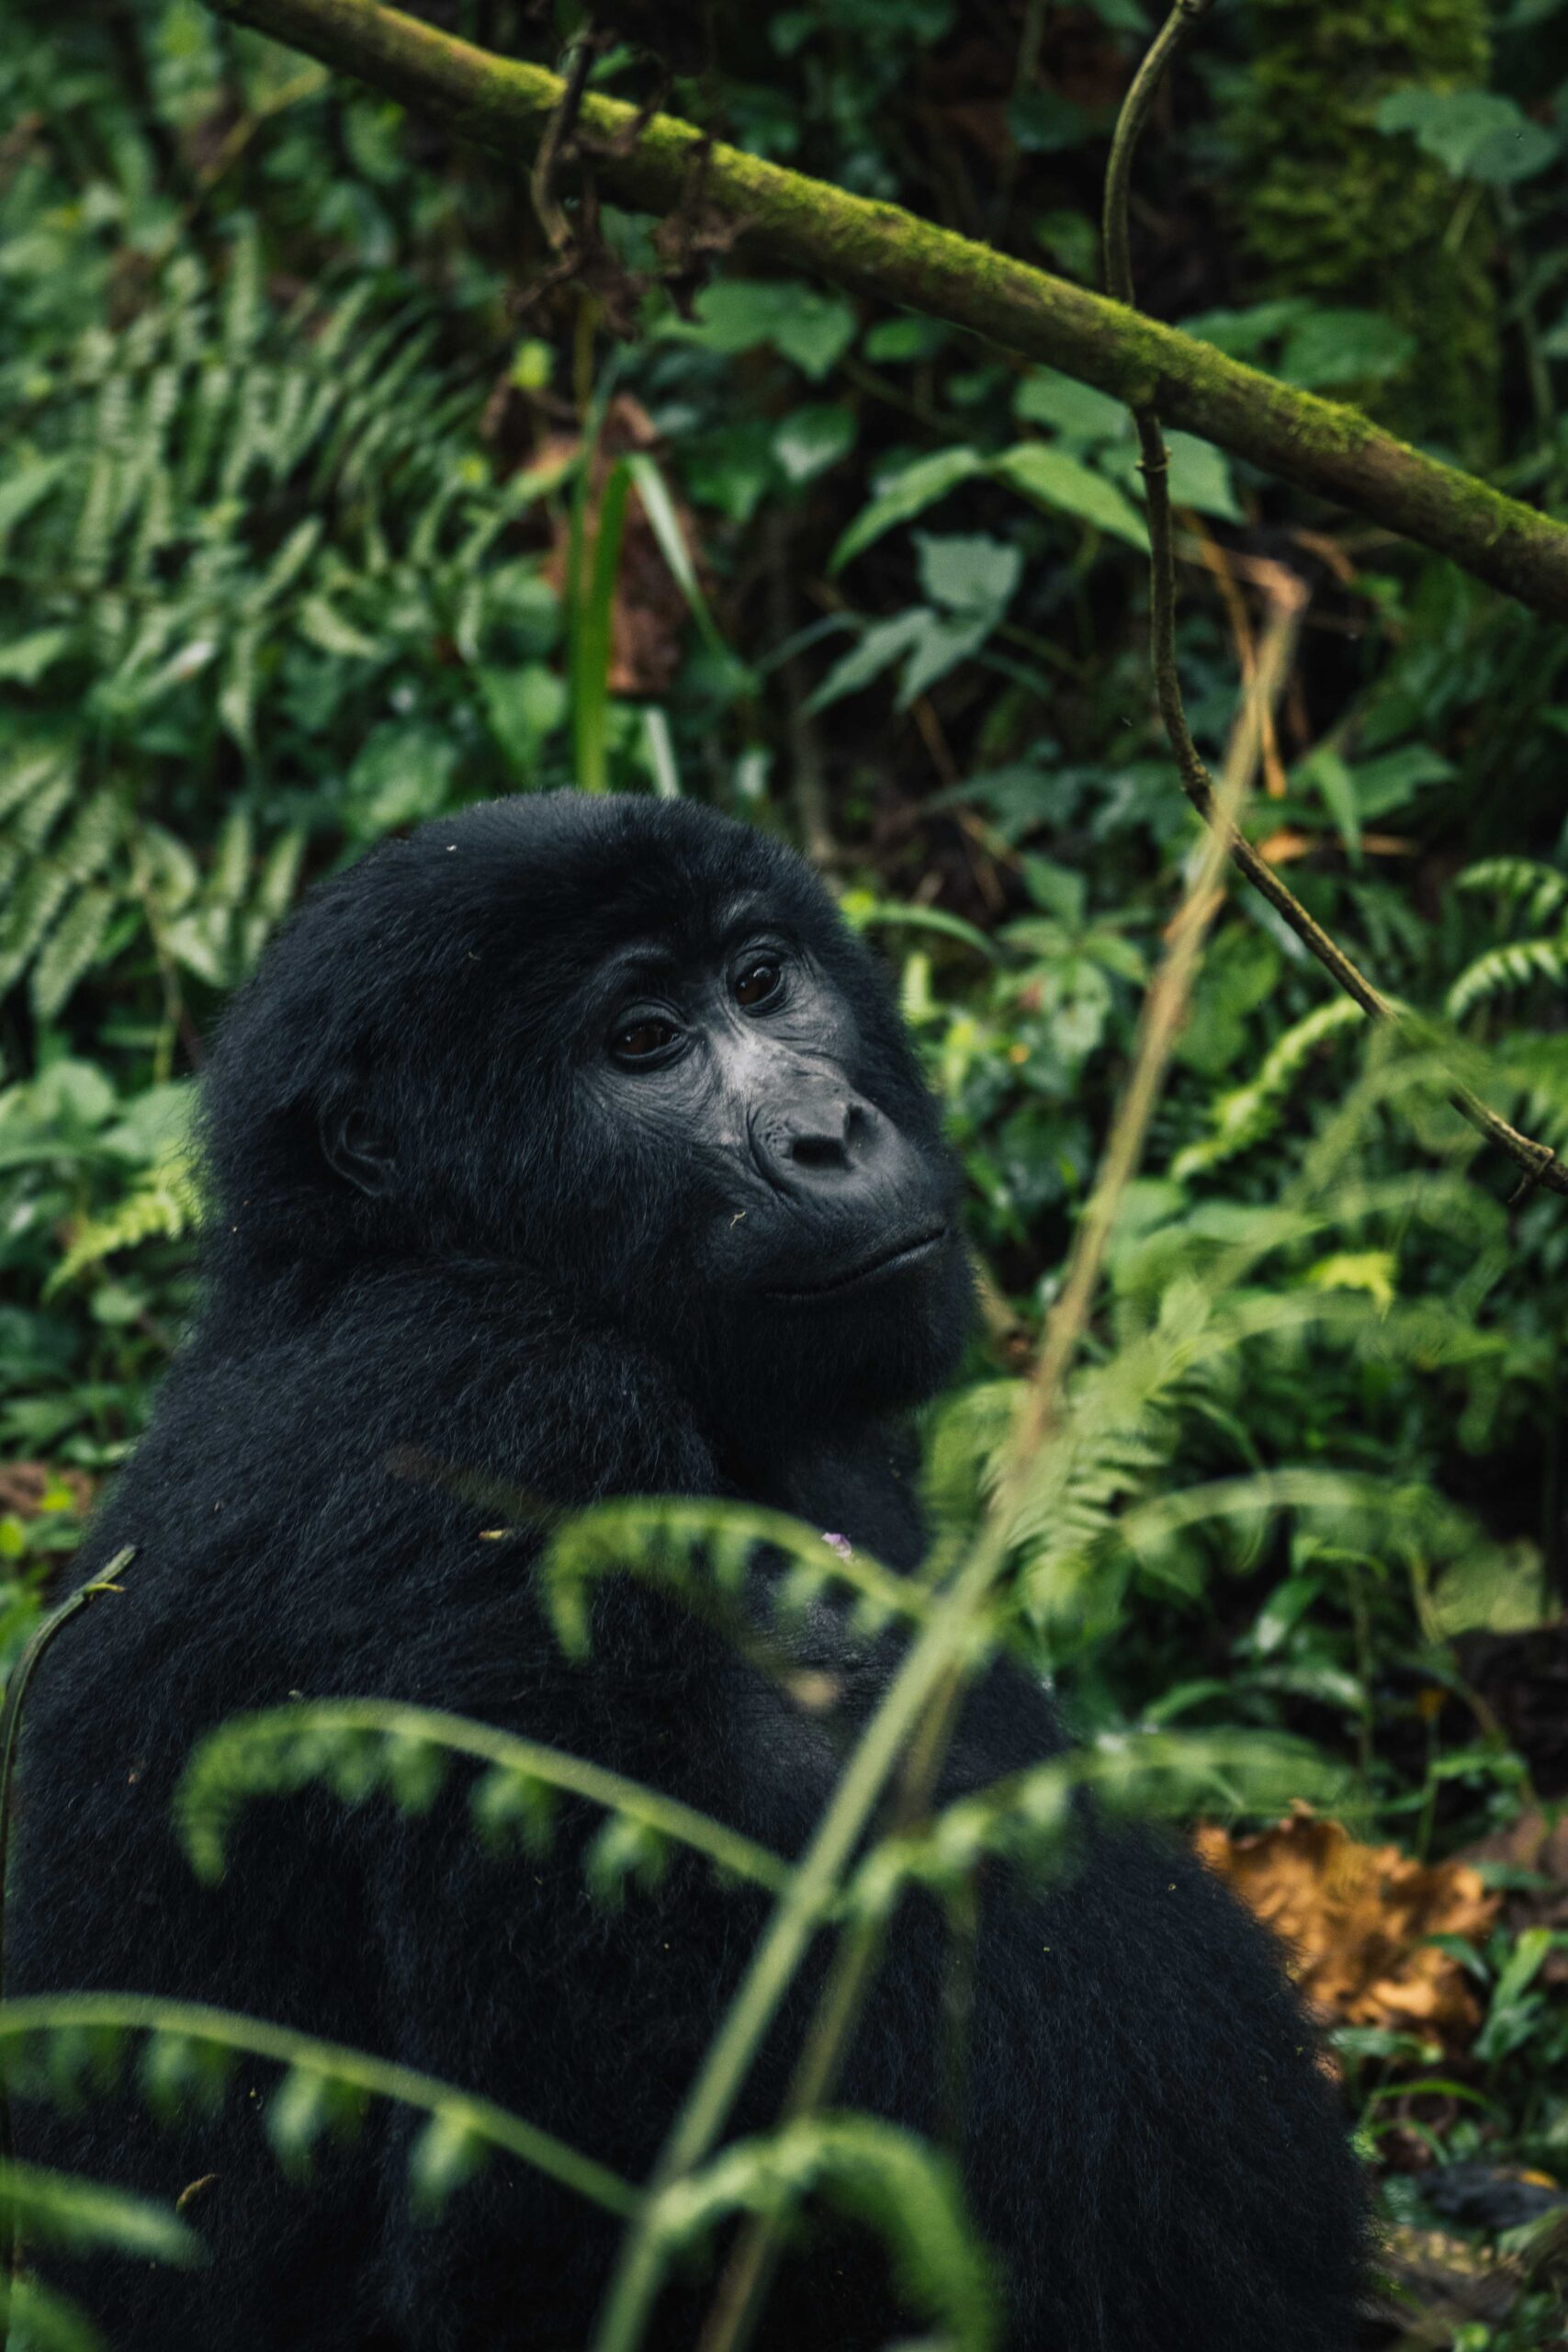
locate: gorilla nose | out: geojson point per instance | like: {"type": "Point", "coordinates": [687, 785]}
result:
{"type": "Point", "coordinates": [816, 1136]}
{"type": "Point", "coordinates": [825, 1135]}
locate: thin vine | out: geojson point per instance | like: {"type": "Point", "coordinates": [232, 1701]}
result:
{"type": "Point", "coordinates": [1538, 1161]}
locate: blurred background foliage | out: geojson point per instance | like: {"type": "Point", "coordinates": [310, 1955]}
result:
{"type": "Point", "coordinates": [325, 506]}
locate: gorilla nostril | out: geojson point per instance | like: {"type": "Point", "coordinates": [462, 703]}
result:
{"type": "Point", "coordinates": [819, 1151]}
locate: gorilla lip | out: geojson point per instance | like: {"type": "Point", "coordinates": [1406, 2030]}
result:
{"type": "Point", "coordinates": [911, 1252]}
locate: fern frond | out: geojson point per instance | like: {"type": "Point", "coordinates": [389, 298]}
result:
{"type": "Point", "coordinates": [55, 2038]}
{"type": "Point", "coordinates": [1246, 1115]}
{"type": "Point", "coordinates": [878, 2174]}
{"type": "Point", "coordinates": [1525, 883]}
{"type": "Point", "coordinates": [359, 1748]}
{"type": "Point", "coordinates": [165, 1208]}
{"type": "Point", "coordinates": [1514, 965]}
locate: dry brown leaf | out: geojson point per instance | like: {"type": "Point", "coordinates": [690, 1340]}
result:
{"type": "Point", "coordinates": [23, 1485]}
{"type": "Point", "coordinates": [1355, 1919]}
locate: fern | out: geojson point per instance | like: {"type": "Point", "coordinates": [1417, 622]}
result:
{"type": "Point", "coordinates": [876, 2174]}
{"type": "Point", "coordinates": [362, 1748]}
{"type": "Point", "coordinates": [179, 524]}
{"type": "Point", "coordinates": [1526, 891]}
{"type": "Point", "coordinates": [165, 1207]}
{"type": "Point", "coordinates": [1247, 1114]}
{"type": "Point", "coordinates": [1524, 884]}
{"type": "Point", "coordinates": [1514, 965]}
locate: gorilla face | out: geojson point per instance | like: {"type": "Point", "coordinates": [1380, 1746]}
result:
{"type": "Point", "coordinates": [802, 1190]}
{"type": "Point", "coordinates": [818, 1227]}
{"type": "Point", "coordinates": [630, 1043]}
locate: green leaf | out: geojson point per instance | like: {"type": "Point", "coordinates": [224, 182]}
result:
{"type": "Point", "coordinates": [880, 2177]}
{"type": "Point", "coordinates": [25, 659]}
{"type": "Point", "coordinates": [1394, 780]}
{"type": "Point", "coordinates": [861, 910]}
{"type": "Point", "coordinates": [70, 951]}
{"type": "Point", "coordinates": [320, 620]}
{"type": "Point", "coordinates": [403, 773]}
{"type": "Point", "coordinates": [883, 643]}
{"type": "Point", "coordinates": [1474, 134]}
{"type": "Point", "coordinates": [969, 575]}
{"type": "Point", "coordinates": [57, 2210]}
{"type": "Point", "coordinates": [909, 493]}
{"type": "Point", "coordinates": [809, 328]}
{"type": "Point", "coordinates": [444, 2156]}
{"type": "Point", "coordinates": [1248, 334]}
{"type": "Point", "coordinates": [811, 439]}
{"type": "Point", "coordinates": [30, 481]}
{"type": "Point", "coordinates": [1122, 16]}
{"type": "Point", "coordinates": [1200, 476]}
{"type": "Point", "coordinates": [524, 707]}
{"type": "Point", "coordinates": [906, 339]}
{"type": "Point", "coordinates": [1332, 347]}
{"type": "Point", "coordinates": [1325, 772]}
{"type": "Point", "coordinates": [1044, 396]}
{"type": "Point", "coordinates": [665, 524]}
{"type": "Point", "coordinates": [1060, 483]}
{"type": "Point", "coordinates": [940, 643]}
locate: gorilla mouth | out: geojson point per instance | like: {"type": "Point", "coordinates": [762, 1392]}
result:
{"type": "Point", "coordinates": [912, 1251]}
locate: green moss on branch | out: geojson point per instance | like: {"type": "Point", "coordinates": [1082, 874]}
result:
{"type": "Point", "coordinates": [878, 249]}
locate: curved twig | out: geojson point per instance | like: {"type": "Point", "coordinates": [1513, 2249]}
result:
{"type": "Point", "coordinates": [1538, 1160]}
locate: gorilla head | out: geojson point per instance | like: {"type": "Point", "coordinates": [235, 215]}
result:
{"type": "Point", "coordinates": [630, 1045]}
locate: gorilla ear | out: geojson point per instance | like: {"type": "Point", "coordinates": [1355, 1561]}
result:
{"type": "Point", "coordinates": [360, 1153]}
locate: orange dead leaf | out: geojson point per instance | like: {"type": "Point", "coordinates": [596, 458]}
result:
{"type": "Point", "coordinates": [1356, 1919]}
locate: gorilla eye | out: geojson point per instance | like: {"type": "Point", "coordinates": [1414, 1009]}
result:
{"type": "Point", "coordinates": [758, 982]}
{"type": "Point", "coordinates": [639, 1041]}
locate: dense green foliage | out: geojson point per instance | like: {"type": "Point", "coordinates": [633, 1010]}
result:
{"type": "Point", "coordinates": [322, 510]}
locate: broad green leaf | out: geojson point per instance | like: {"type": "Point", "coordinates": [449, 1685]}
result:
{"type": "Point", "coordinates": [524, 707]}
{"type": "Point", "coordinates": [402, 774]}
{"type": "Point", "coordinates": [1060, 483]}
{"type": "Point", "coordinates": [884, 643]}
{"type": "Point", "coordinates": [1047, 397]}
{"type": "Point", "coordinates": [1200, 476]}
{"type": "Point", "coordinates": [1247, 334]}
{"type": "Point", "coordinates": [1394, 780]}
{"type": "Point", "coordinates": [1328, 349]}
{"type": "Point", "coordinates": [1325, 772]}
{"type": "Point", "coordinates": [1474, 134]}
{"type": "Point", "coordinates": [27, 658]}
{"type": "Point", "coordinates": [809, 328]}
{"type": "Point", "coordinates": [940, 643]}
{"type": "Point", "coordinates": [811, 439]}
{"type": "Point", "coordinates": [969, 574]}
{"type": "Point", "coordinates": [906, 338]}
{"type": "Point", "coordinates": [908, 494]}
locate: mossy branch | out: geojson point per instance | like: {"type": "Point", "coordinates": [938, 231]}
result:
{"type": "Point", "coordinates": [881, 251]}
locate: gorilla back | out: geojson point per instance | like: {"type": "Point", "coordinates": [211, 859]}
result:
{"type": "Point", "coordinates": [571, 1149]}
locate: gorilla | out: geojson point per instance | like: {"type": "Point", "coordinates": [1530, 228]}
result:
{"type": "Point", "coordinates": [572, 1148]}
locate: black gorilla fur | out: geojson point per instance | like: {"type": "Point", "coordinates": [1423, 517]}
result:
{"type": "Point", "coordinates": [517, 1278]}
